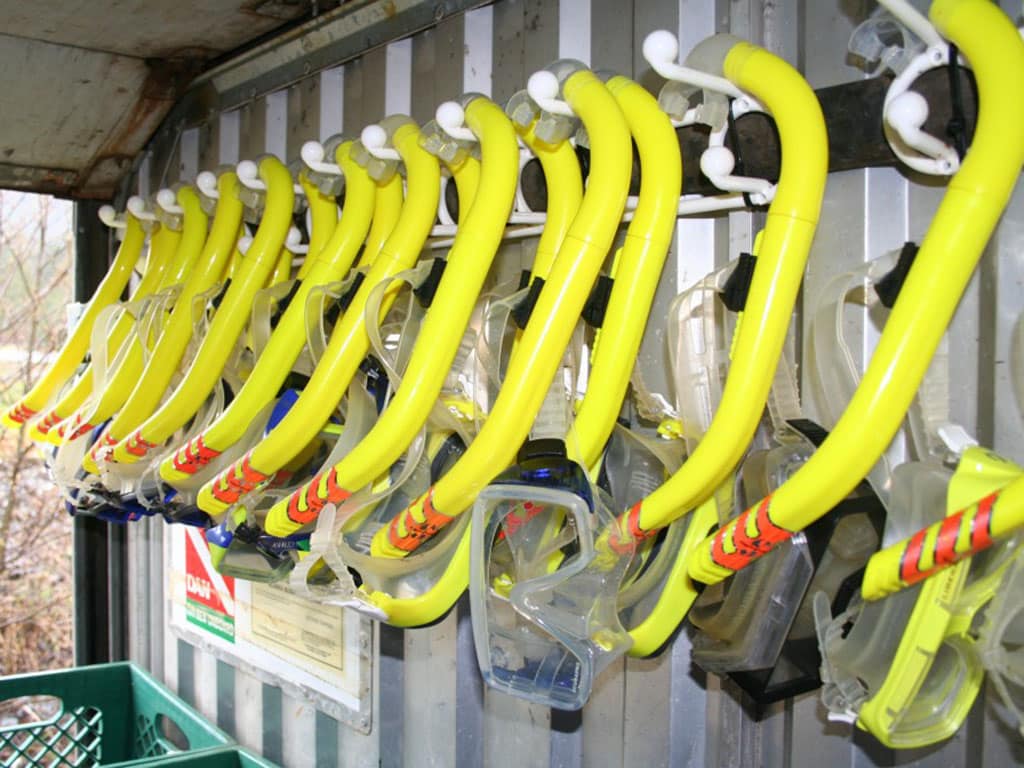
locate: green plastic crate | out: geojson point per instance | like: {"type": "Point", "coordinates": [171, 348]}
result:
{"type": "Point", "coordinates": [108, 714]}
{"type": "Point", "coordinates": [233, 757]}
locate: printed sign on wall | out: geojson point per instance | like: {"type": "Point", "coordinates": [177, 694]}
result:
{"type": "Point", "coordinates": [209, 597]}
{"type": "Point", "coordinates": [318, 652]}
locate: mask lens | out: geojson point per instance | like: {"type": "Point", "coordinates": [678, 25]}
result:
{"type": "Point", "coordinates": [529, 539]}
{"type": "Point", "coordinates": [988, 566]}
{"type": "Point", "coordinates": [543, 597]}
{"type": "Point", "coordinates": [1011, 643]}
{"type": "Point", "coordinates": [942, 686]}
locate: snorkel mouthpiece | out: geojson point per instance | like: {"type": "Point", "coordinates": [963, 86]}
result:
{"type": "Point", "coordinates": [542, 594]}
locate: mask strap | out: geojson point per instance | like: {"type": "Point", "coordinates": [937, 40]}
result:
{"type": "Point", "coordinates": [327, 302]}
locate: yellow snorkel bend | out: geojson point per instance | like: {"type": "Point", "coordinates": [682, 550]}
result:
{"type": "Point", "coordinates": [781, 255]}
{"type": "Point", "coordinates": [170, 349]}
{"type": "Point", "coordinates": [551, 324]}
{"type": "Point", "coordinates": [323, 220]}
{"type": "Point", "coordinates": [785, 244]}
{"type": "Point", "coordinates": [481, 226]}
{"type": "Point", "coordinates": [564, 188]}
{"type": "Point", "coordinates": [387, 210]}
{"type": "Point", "coordinates": [198, 271]}
{"type": "Point", "coordinates": [189, 464]}
{"type": "Point", "coordinates": [228, 323]}
{"type": "Point", "coordinates": [76, 345]}
{"type": "Point", "coordinates": [523, 523]}
{"type": "Point", "coordinates": [282, 271]}
{"type": "Point", "coordinates": [639, 265]}
{"type": "Point", "coordinates": [349, 342]}
{"type": "Point", "coordinates": [113, 336]}
{"type": "Point", "coordinates": [963, 223]}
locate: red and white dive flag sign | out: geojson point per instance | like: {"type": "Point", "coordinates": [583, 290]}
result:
{"type": "Point", "coordinates": [209, 596]}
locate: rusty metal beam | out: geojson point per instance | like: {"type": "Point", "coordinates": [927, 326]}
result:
{"type": "Point", "coordinates": [164, 85]}
{"type": "Point", "coordinates": [51, 181]}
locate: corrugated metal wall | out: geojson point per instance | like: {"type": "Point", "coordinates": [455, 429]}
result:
{"type": "Point", "coordinates": [429, 705]}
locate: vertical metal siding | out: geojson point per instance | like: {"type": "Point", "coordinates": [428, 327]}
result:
{"type": "Point", "coordinates": [429, 705]}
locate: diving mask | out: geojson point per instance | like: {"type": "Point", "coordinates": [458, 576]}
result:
{"type": "Point", "coordinates": [543, 595]}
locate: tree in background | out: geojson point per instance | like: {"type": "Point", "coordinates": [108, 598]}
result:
{"type": "Point", "coordinates": [36, 258]}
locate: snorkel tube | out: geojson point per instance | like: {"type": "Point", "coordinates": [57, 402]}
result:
{"type": "Point", "coordinates": [323, 215]}
{"type": "Point", "coordinates": [782, 254]}
{"type": "Point", "coordinates": [281, 273]}
{"type": "Point", "coordinates": [201, 271]}
{"type": "Point", "coordinates": [476, 242]}
{"type": "Point", "coordinates": [117, 448]}
{"type": "Point", "coordinates": [77, 343]}
{"type": "Point", "coordinates": [562, 177]}
{"type": "Point", "coordinates": [785, 244]}
{"type": "Point", "coordinates": [349, 342]}
{"type": "Point", "coordinates": [534, 359]}
{"type": "Point", "coordinates": [640, 264]}
{"type": "Point", "coordinates": [545, 505]}
{"type": "Point", "coordinates": [425, 584]}
{"type": "Point", "coordinates": [189, 466]}
{"type": "Point", "coordinates": [966, 217]}
{"type": "Point", "coordinates": [117, 329]}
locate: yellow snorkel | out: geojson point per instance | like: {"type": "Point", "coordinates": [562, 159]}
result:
{"type": "Point", "coordinates": [323, 218]}
{"type": "Point", "coordinates": [230, 319]}
{"type": "Point", "coordinates": [349, 342]}
{"type": "Point", "coordinates": [949, 252]}
{"type": "Point", "coordinates": [479, 233]}
{"type": "Point", "coordinates": [564, 188]}
{"type": "Point", "coordinates": [186, 467]}
{"type": "Point", "coordinates": [535, 608]}
{"type": "Point", "coordinates": [784, 246]}
{"type": "Point", "coordinates": [76, 345]}
{"type": "Point", "coordinates": [782, 250]}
